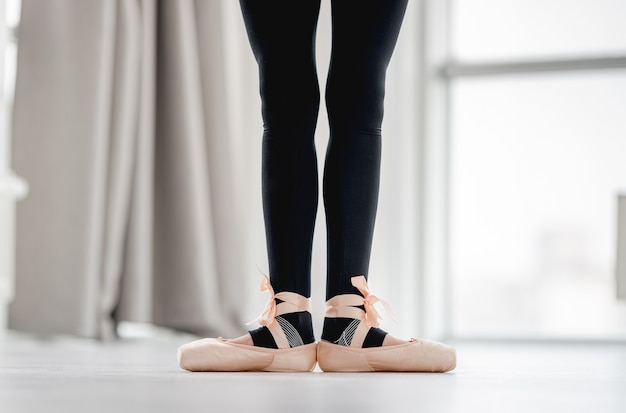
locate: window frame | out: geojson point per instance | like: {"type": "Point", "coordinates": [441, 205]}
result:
{"type": "Point", "coordinates": [439, 70]}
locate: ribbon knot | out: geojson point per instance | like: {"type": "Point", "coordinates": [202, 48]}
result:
{"type": "Point", "coordinates": [268, 315]}
{"type": "Point", "coordinates": [289, 303]}
{"type": "Point", "coordinates": [369, 300]}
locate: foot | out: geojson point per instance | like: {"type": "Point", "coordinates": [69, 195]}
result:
{"type": "Point", "coordinates": [285, 321]}
{"type": "Point", "coordinates": [392, 341]}
{"type": "Point", "coordinates": [352, 341]}
{"type": "Point", "coordinates": [342, 331]}
{"type": "Point", "coordinates": [282, 343]}
{"type": "Point", "coordinates": [245, 339]}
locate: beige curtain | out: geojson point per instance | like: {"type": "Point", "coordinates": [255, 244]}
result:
{"type": "Point", "coordinates": [121, 129]}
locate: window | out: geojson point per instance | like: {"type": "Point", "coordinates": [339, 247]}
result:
{"type": "Point", "coordinates": [537, 137]}
{"type": "Point", "coordinates": [485, 30]}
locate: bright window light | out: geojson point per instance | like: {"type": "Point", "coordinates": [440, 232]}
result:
{"type": "Point", "coordinates": [521, 29]}
{"type": "Point", "coordinates": [537, 163]}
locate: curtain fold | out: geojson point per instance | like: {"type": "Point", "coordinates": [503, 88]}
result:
{"type": "Point", "coordinates": [120, 129]}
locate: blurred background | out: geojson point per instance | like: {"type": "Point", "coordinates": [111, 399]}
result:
{"type": "Point", "coordinates": [130, 157]}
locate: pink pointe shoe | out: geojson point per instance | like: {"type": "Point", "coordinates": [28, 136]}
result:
{"type": "Point", "coordinates": [412, 356]}
{"type": "Point", "coordinates": [218, 354]}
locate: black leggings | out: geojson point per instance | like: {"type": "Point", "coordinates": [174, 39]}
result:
{"type": "Point", "coordinates": [282, 36]}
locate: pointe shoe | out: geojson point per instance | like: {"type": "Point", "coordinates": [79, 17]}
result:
{"type": "Point", "coordinates": [412, 356]}
{"type": "Point", "coordinates": [218, 354]}
{"type": "Point", "coordinates": [349, 356]}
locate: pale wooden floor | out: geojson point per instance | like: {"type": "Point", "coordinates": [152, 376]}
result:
{"type": "Point", "coordinates": [69, 375]}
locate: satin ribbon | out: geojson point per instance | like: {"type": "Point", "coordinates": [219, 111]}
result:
{"type": "Point", "coordinates": [369, 300]}
{"type": "Point", "coordinates": [268, 316]}
{"type": "Point", "coordinates": [269, 312]}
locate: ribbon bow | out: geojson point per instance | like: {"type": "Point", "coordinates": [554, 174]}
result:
{"type": "Point", "coordinates": [269, 313]}
{"type": "Point", "coordinates": [290, 303]}
{"type": "Point", "coordinates": [371, 314]}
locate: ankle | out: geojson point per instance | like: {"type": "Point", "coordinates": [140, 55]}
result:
{"type": "Point", "coordinates": [341, 330]}
{"type": "Point", "coordinates": [303, 324]}
{"type": "Point", "coordinates": [298, 328]}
